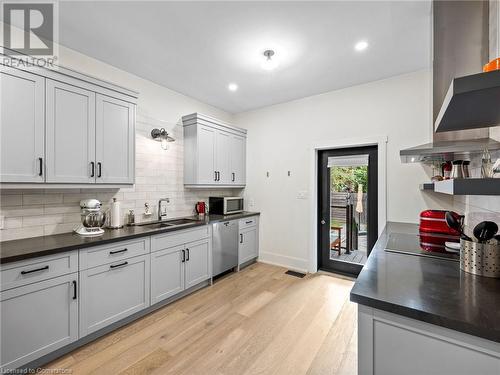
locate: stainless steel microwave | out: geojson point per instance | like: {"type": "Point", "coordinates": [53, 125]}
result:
{"type": "Point", "coordinates": [225, 205]}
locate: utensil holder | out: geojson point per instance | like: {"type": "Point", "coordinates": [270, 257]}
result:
{"type": "Point", "coordinates": [481, 259]}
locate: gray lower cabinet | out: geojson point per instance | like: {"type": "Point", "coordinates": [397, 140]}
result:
{"type": "Point", "coordinates": [37, 319]}
{"type": "Point", "coordinates": [112, 292]}
{"type": "Point", "coordinates": [167, 273]}
{"type": "Point", "coordinates": [22, 126]}
{"type": "Point", "coordinates": [178, 268]}
{"type": "Point", "coordinates": [198, 262]}
{"type": "Point", "coordinates": [248, 247]}
{"type": "Point", "coordinates": [392, 344]}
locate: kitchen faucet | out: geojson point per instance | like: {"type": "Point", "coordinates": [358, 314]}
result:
{"type": "Point", "coordinates": [162, 213]}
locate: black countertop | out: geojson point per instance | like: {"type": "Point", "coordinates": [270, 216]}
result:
{"type": "Point", "coordinates": [12, 251]}
{"type": "Point", "coordinates": [428, 289]}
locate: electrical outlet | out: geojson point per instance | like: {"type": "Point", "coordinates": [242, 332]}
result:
{"type": "Point", "coordinates": [2, 221]}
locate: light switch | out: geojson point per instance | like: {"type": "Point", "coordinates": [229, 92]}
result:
{"type": "Point", "coordinates": [302, 194]}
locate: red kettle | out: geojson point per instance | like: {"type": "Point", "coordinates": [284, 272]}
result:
{"type": "Point", "coordinates": [200, 207]}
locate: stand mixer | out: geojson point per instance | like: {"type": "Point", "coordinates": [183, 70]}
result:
{"type": "Point", "coordinates": [92, 218]}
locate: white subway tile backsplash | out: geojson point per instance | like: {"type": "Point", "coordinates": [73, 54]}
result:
{"type": "Point", "coordinates": [159, 174]}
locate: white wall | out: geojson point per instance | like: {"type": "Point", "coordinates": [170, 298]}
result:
{"type": "Point", "coordinates": [280, 139]}
{"type": "Point", "coordinates": [159, 173]}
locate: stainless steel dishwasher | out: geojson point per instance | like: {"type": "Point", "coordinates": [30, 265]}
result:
{"type": "Point", "coordinates": [224, 246]}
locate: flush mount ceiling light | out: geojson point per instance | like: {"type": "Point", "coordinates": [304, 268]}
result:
{"type": "Point", "coordinates": [232, 87]}
{"type": "Point", "coordinates": [161, 135]}
{"type": "Point", "coordinates": [270, 62]}
{"type": "Point", "coordinates": [361, 45]}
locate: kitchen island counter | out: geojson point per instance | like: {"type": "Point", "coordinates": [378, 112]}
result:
{"type": "Point", "coordinates": [430, 290]}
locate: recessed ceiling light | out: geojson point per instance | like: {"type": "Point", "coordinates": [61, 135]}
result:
{"type": "Point", "coordinates": [270, 61]}
{"type": "Point", "coordinates": [232, 87]}
{"type": "Point", "coordinates": [361, 45]}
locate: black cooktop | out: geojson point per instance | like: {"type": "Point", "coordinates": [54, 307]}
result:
{"type": "Point", "coordinates": [405, 243]}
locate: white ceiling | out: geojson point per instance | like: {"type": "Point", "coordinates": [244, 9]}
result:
{"type": "Point", "coordinates": [198, 48]}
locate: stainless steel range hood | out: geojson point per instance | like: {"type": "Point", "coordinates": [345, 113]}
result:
{"type": "Point", "coordinates": [472, 101]}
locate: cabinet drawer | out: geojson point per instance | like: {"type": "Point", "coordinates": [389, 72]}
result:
{"type": "Point", "coordinates": [99, 255]}
{"type": "Point", "coordinates": [164, 241]}
{"type": "Point", "coordinates": [248, 222]}
{"type": "Point", "coordinates": [33, 270]}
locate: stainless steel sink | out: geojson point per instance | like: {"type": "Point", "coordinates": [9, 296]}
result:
{"type": "Point", "coordinates": [167, 223]}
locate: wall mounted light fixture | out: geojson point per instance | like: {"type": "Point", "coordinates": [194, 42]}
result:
{"type": "Point", "coordinates": [161, 135]}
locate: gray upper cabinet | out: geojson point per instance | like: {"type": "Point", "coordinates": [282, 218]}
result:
{"type": "Point", "coordinates": [21, 127]}
{"type": "Point", "coordinates": [37, 319]}
{"type": "Point", "coordinates": [62, 127]}
{"type": "Point", "coordinates": [214, 153]}
{"type": "Point", "coordinates": [70, 133]}
{"type": "Point", "coordinates": [115, 140]}
{"type": "Point", "coordinates": [238, 159]}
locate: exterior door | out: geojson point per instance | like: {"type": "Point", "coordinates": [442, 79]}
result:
{"type": "Point", "coordinates": [223, 157]}
{"type": "Point", "coordinates": [37, 319]}
{"type": "Point", "coordinates": [347, 208]}
{"type": "Point", "coordinates": [70, 127]}
{"type": "Point", "coordinates": [22, 128]}
{"type": "Point", "coordinates": [238, 160]}
{"type": "Point", "coordinates": [206, 155]}
{"type": "Point", "coordinates": [115, 140]}
{"type": "Point", "coordinates": [167, 273]}
{"type": "Point", "coordinates": [197, 262]}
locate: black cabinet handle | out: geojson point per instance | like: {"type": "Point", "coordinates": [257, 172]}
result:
{"type": "Point", "coordinates": [234, 176]}
{"type": "Point", "coordinates": [92, 169]}
{"type": "Point", "coordinates": [187, 257]}
{"type": "Point", "coordinates": [74, 289]}
{"type": "Point", "coordinates": [249, 222]}
{"type": "Point", "coordinates": [241, 237]}
{"type": "Point", "coordinates": [99, 167]}
{"type": "Point", "coordinates": [35, 270]}
{"type": "Point", "coordinates": [118, 251]}
{"type": "Point", "coordinates": [215, 175]}
{"type": "Point", "coordinates": [40, 166]}
{"type": "Point", "coordinates": [118, 265]}
{"type": "Point", "coordinates": [183, 256]}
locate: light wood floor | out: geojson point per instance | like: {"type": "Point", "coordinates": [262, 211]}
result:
{"type": "Point", "coordinates": [258, 321]}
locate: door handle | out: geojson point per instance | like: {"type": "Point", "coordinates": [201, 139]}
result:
{"type": "Point", "coordinates": [35, 270]}
{"type": "Point", "coordinates": [218, 176]}
{"type": "Point", "coordinates": [74, 289]}
{"type": "Point", "coordinates": [234, 176]}
{"type": "Point", "coordinates": [117, 251]}
{"type": "Point", "coordinates": [92, 169]}
{"type": "Point", "coordinates": [241, 237]}
{"type": "Point", "coordinates": [40, 166]}
{"type": "Point", "coordinates": [118, 265]}
{"type": "Point", "coordinates": [187, 256]}
{"type": "Point", "coordinates": [323, 222]}
{"type": "Point", "coordinates": [215, 175]}
{"type": "Point", "coordinates": [99, 169]}
{"type": "Point", "coordinates": [183, 256]}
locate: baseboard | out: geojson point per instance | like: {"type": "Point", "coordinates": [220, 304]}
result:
{"type": "Point", "coordinates": [295, 264]}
